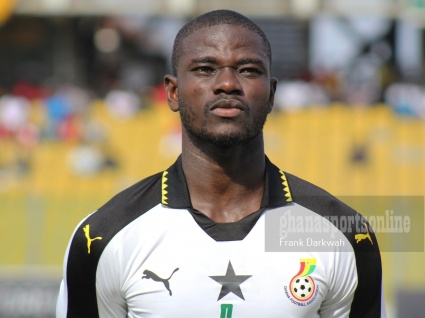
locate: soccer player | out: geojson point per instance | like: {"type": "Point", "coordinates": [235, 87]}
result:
{"type": "Point", "coordinates": [190, 241]}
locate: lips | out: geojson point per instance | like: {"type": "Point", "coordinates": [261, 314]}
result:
{"type": "Point", "coordinates": [227, 104]}
{"type": "Point", "coordinates": [227, 108]}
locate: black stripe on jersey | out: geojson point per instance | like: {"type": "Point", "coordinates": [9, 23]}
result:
{"type": "Point", "coordinates": [106, 223]}
{"type": "Point", "coordinates": [276, 193]}
{"type": "Point", "coordinates": [367, 298]}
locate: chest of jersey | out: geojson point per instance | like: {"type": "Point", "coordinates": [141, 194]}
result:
{"type": "Point", "coordinates": [169, 267]}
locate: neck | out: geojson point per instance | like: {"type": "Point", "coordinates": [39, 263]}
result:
{"type": "Point", "coordinates": [225, 183]}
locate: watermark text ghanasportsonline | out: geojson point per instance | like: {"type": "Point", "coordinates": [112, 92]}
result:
{"type": "Point", "coordinates": [389, 222]}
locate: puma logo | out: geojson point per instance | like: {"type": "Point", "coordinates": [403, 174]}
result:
{"type": "Point", "coordinates": [89, 240]}
{"type": "Point", "coordinates": [148, 274]}
{"type": "Point", "coordinates": [360, 237]}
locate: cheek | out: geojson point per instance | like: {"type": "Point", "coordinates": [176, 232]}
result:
{"type": "Point", "coordinates": [260, 101]}
{"type": "Point", "coordinates": [258, 88]}
{"type": "Point", "coordinates": [195, 93]}
{"type": "Point", "coordinates": [260, 96]}
{"type": "Point", "coordinates": [202, 90]}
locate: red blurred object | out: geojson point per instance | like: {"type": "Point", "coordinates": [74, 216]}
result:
{"type": "Point", "coordinates": [28, 90]}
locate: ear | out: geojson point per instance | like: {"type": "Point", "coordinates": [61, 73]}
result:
{"type": "Point", "coordinates": [273, 83]}
{"type": "Point", "coordinates": [171, 89]}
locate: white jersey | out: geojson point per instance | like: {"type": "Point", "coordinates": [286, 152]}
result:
{"type": "Point", "coordinates": [148, 253]}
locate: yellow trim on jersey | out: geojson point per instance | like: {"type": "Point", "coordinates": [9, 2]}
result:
{"type": "Point", "coordinates": [286, 187]}
{"type": "Point", "coordinates": [164, 187]}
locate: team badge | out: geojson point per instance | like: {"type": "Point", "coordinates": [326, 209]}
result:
{"type": "Point", "coordinates": [302, 288]}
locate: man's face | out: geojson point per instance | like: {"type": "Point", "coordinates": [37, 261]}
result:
{"type": "Point", "coordinates": [224, 88]}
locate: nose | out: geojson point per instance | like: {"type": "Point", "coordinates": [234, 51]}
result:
{"type": "Point", "coordinates": [226, 81]}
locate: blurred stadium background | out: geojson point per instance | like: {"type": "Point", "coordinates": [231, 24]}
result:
{"type": "Point", "coordinates": [83, 115]}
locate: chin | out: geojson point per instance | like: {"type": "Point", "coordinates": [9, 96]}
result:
{"type": "Point", "coordinates": [226, 140]}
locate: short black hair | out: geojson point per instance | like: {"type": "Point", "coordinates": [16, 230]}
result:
{"type": "Point", "coordinates": [212, 18]}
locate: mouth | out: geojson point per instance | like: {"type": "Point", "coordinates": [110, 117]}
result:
{"type": "Point", "coordinates": [227, 108]}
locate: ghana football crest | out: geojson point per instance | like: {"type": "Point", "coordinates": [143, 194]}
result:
{"type": "Point", "coordinates": [302, 289]}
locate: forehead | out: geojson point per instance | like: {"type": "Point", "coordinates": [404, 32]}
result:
{"type": "Point", "coordinates": [224, 40]}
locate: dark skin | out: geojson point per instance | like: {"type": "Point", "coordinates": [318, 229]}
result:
{"type": "Point", "coordinates": [224, 91]}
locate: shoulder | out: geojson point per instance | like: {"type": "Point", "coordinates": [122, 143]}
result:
{"type": "Point", "coordinates": [94, 233]}
{"type": "Point", "coordinates": [122, 209]}
{"type": "Point", "coordinates": [349, 221]}
{"type": "Point", "coordinates": [317, 199]}
{"type": "Point", "coordinates": [143, 194]}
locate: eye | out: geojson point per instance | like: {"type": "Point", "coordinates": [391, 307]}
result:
{"type": "Point", "coordinates": [250, 72]}
{"type": "Point", "coordinates": [203, 70]}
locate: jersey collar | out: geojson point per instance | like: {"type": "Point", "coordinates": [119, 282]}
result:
{"type": "Point", "coordinates": [175, 193]}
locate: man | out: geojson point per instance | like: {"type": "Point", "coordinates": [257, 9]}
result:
{"type": "Point", "coordinates": [190, 241]}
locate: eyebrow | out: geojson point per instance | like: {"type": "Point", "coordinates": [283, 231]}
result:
{"type": "Point", "coordinates": [248, 60]}
{"type": "Point", "coordinates": [207, 59]}
{"type": "Point", "coordinates": [244, 61]}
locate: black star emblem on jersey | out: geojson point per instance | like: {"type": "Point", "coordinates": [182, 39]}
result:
{"type": "Point", "coordinates": [230, 283]}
